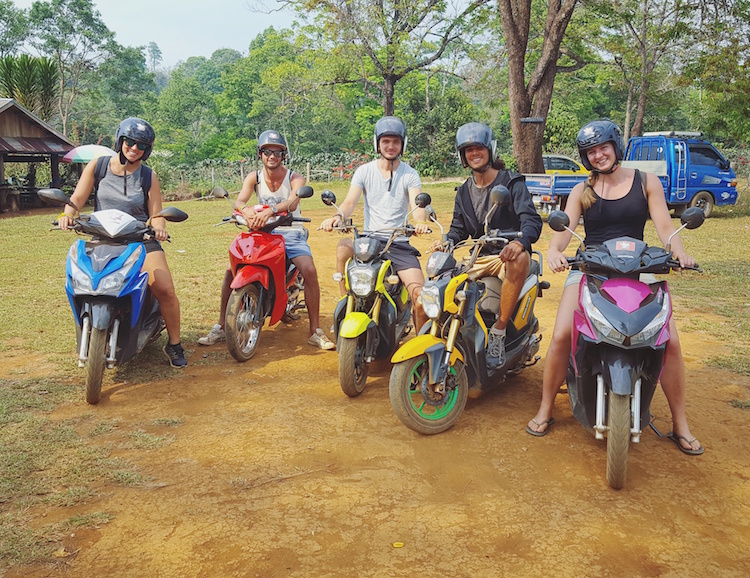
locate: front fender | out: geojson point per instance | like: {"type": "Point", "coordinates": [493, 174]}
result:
{"type": "Point", "coordinates": [248, 274]}
{"type": "Point", "coordinates": [101, 315]}
{"type": "Point", "coordinates": [430, 346]}
{"type": "Point", "coordinates": [354, 324]}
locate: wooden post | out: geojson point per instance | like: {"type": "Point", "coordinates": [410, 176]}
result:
{"type": "Point", "coordinates": [213, 183]}
{"type": "Point", "coordinates": [308, 173]}
{"type": "Point", "coordinates": [182, 178]}
{"type": "Point", "coordinates": [242, 173]}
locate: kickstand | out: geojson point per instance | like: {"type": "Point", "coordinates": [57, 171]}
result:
{"type": "Point", "coordinates": [653, 427]}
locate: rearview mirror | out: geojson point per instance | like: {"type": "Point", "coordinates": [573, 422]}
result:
{"type": "Point", "coordinates": [558, 220]}
{"type": "Point", "coordinates": [431, 214]}
{"type": "Point", "coordinates": [500, 195]}
{"type": "Point", "coordinates": [56, 196]}
{"type": "Point", "coordinates": [172, 214]}
{"type": "Point", "coordinates": [422, 200]}
{"type": "Point", "coordinates": [305, 192]}
{"type": "Point", "coordinates": [328, 197]}
{"type": "Point", "coordinates": [693, 217]}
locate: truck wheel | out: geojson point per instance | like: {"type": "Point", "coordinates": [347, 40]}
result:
{"type": "Point", "coordinates": [705, 201]}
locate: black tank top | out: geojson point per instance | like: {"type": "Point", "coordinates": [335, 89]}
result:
{"type": "Point", "coordinates": [608, 219]}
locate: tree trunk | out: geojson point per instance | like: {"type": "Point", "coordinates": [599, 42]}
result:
{"type": "Point", "coordinates": [640, 113]}
{"type": "Point", "coordinates": [531, 99]}
{"type": "Point", "coordinates": [388, 95]}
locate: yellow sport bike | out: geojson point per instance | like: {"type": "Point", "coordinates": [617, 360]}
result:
{"type": "Point", "coordinates": [434, 373]}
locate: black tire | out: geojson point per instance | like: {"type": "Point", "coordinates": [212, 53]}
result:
{"type": "Point", "coordinates": [291, 315]}
{"type": "Point", "coordinates": [409, 404]}
{"type": "Point", "coordinates": [618, 439]}
{"type": "Point", "coordinates": [705, 201]}
{"type": "Point", "coordinates": [352, 365]}
{"type": "Point", "coordinates": [242, 334]}
{"type": "Point", "coordinates": [95, 365]}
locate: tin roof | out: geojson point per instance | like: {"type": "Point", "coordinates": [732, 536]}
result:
{"type": "Point", "coordinates": [52, 142]}
{"type": "Point", "coordinates": [26, 146]}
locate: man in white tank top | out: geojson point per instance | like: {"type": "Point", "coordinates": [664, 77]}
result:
{"type": "Point", "coordinates": [276, 186]}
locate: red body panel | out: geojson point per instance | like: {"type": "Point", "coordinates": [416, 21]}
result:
{"type": "Point", "coordinates": [256, 256]}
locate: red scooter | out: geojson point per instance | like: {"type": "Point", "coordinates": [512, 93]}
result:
{"type": "Point", "coordinates": [265, 284]}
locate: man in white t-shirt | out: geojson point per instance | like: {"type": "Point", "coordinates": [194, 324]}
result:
{"type": "Point", "coordinates": [389, 187]}
{"type": "Point", "coordinates": [275, 186]}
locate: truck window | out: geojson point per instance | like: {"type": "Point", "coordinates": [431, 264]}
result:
{"type": "Point", "coordinates": [703, 155]}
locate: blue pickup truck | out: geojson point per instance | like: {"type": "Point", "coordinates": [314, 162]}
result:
{"type": "Point", "coordinates": [693, 172]}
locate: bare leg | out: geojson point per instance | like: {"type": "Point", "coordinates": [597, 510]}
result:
{"type": "Point", "coordinates": [344, 252]}
{"type": "Point", "coordinates": [306, 266]}
{"type": "Point", "coordinates": [226, 291]}
{"type": "Point", "coordinates": [162, 286]}
{"type": "Point", "coordinates": [556, 360]}
{"type": "Point", "coordinates": [673, 384]}
{"type": "Point", "coordinates": [516, 272]}
{"type": "Point", "coordinates": [413, 279]}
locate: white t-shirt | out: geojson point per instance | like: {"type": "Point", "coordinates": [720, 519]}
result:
{"type": "Point", "coordinates": [386, 200]}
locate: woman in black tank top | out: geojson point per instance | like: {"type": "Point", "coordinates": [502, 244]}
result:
{"type": "Point", "coordinates": [613, 203]}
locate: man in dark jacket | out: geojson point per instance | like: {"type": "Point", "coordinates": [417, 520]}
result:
{"type": "Point", "coordinates": [476, 146]}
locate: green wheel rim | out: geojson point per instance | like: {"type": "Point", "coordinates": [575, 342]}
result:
{"type": "Point", "coordinates": [417, 400]}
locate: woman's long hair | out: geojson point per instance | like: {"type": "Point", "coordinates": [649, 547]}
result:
{"type": "Point", "coordinates": [588, 197]}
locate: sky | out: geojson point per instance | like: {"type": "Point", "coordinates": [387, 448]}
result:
{"type": "Point", "coordinates": [185, 28]}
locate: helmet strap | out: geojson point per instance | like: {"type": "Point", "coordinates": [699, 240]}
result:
{"type": "Point", "coordinates": [611, 170]}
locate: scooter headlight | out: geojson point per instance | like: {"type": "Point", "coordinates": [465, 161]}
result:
{"type": "Point", "coordinates": [600, 323]}
{"type": "Point", "coordinates": [656, 325]}
{"type": "Point", "coordinates": [80, 280]}
{"type": "Point", "coordinates": [362, 280]}
{"type": "Point", "coordinates": [431, 302]}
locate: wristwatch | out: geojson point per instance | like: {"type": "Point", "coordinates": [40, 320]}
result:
{"type": "Point", "coordinates": [275, 210]}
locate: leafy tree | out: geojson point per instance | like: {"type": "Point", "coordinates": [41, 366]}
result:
{"type": "Point", "coordinates": [73, 34]}
{"type": "Point", "coordinates": [14, 28]}
{"type": "Point", "coordinates": [378, 44]}
{"type": "Point", "coordinates": [31, 81]}
{"type": "Point", "coordinates": [154, 55]}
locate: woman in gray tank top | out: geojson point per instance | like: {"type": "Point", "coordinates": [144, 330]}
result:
{"type": "Point", "coordinates": [121, 188]}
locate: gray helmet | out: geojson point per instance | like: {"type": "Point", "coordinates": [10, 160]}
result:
{"type": "Point", "coordinates": [475, 134]}
{"type": "Point", "coordinates": [598, 132]}
{"type": "Point", "coordinates": [271, 137]}
{"type": "Point", "coordinates": [138, 130]}
{"type": "Point", "coordinates": [390, 126]}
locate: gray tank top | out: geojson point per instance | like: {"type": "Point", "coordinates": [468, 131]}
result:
{"type": "Point", "coordinates": [112, 195]}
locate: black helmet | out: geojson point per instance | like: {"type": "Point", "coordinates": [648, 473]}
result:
{"type": "Point", "coordinates": [390, 126]}
{"type": "Point", "coordinates": [475, 134]}
{"type": "Point", "coordinates": [137, 129]}
{"type": "Point", "coordinates": [271, 137]}
{"type": "Point", "coordinates": [598, 132]}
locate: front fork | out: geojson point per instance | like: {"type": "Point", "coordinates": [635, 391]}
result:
{"type": "Point", "coordinates": [635, 410]}
{"type": "Point", "coordinates": [83, 351]}
{"type": "Point", "coordinates": [450, 345]}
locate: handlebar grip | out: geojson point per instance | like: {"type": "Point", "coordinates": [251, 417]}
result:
{"type": "Point", "coordinates": [300, 220]}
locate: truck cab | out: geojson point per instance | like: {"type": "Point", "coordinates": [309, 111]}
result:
{"type": "Point", "coordinates": [693, 172]}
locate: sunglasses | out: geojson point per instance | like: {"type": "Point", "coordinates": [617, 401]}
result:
{"type": "Point", "coordinates": [273, 153]}
{"type": "Point", "coordinates": [142, 146]}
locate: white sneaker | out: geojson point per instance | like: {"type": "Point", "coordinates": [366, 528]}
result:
{"type": "Point", "coordinates": [214, 336]}
{"type": "Point", "coordinates": [320, 339]}
{"type": "Point", "coordinates": [496, 348]}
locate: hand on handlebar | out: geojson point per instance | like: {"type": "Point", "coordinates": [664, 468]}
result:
{"type": "Point", "coordinates": [685, 260]}
{"type": "Point", "coordinates": [329, 224]}
{"type": "Point", "coordinates": [65, 222]}
{"type": "Point", "coordinates": [161, 234]}
{"type": "Point", "coordinates": [557, 261]}
{"type": "Point", "coordinates": [422, 229]}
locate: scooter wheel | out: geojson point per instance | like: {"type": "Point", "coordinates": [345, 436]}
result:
{"type": "Point", "coordinates": [243, 335]}
{"type": "Point", "coordinates": [95, 365]}
{"type": "Point", "coordinates": [618, 439]}
{"type": "Point", "coordinates": [352, 365]}
{"type": "Point", "coordinates": [426, 416]}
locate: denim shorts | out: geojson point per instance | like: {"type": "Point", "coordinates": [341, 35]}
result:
{"type": "Point", "coordinates": [295, 241]}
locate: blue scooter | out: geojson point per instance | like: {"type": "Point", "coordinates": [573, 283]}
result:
{"type": "Point", "coordinates": [115, 313]}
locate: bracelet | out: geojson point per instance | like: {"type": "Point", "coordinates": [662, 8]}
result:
{"type": "Point", "coordinates": [63, 214]}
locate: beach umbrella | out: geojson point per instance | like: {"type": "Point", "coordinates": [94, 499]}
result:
{"type": "Point", "coordinates": [86, 153]}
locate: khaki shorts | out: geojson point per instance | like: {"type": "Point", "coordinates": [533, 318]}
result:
{"type": "Point", "coordinates": [488, 266]}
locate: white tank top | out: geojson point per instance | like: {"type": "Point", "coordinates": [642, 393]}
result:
{"type": "Point", "coordinates": [272, 198]}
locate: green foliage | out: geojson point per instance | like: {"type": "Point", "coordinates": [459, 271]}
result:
{"type": "Point", "coordinates": [14, 28]}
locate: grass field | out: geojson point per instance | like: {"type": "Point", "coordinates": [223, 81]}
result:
{"type": "Point", "coordinates": [56, 461]}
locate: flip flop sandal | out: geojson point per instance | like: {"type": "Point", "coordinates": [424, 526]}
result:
{"type": "Point", "coordinates": [676, 439]}
{"type": "Point", "coordinates": [550, 422]}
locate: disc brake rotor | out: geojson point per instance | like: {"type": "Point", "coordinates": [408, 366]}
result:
{"type": "Point", "coordinates": [431, 393]}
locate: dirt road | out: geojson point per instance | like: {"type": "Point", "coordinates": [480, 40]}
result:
{"type": "Point", "coordinates": [268, 469]}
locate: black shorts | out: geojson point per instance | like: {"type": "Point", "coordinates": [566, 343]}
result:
{"type": "Point", "coordinates": [403, 256]}
{"type": "Point", "coordinates": [152, 245]}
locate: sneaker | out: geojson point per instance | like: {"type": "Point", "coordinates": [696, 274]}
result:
{"type": "Point", "coordinates": [320, 339]}
{"type": "Point", "coordinates": [176, 355]}
{"type": "Point", "coordinates": [496, 348]}
{"type": "Point", "coordinates": [214, 336]}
